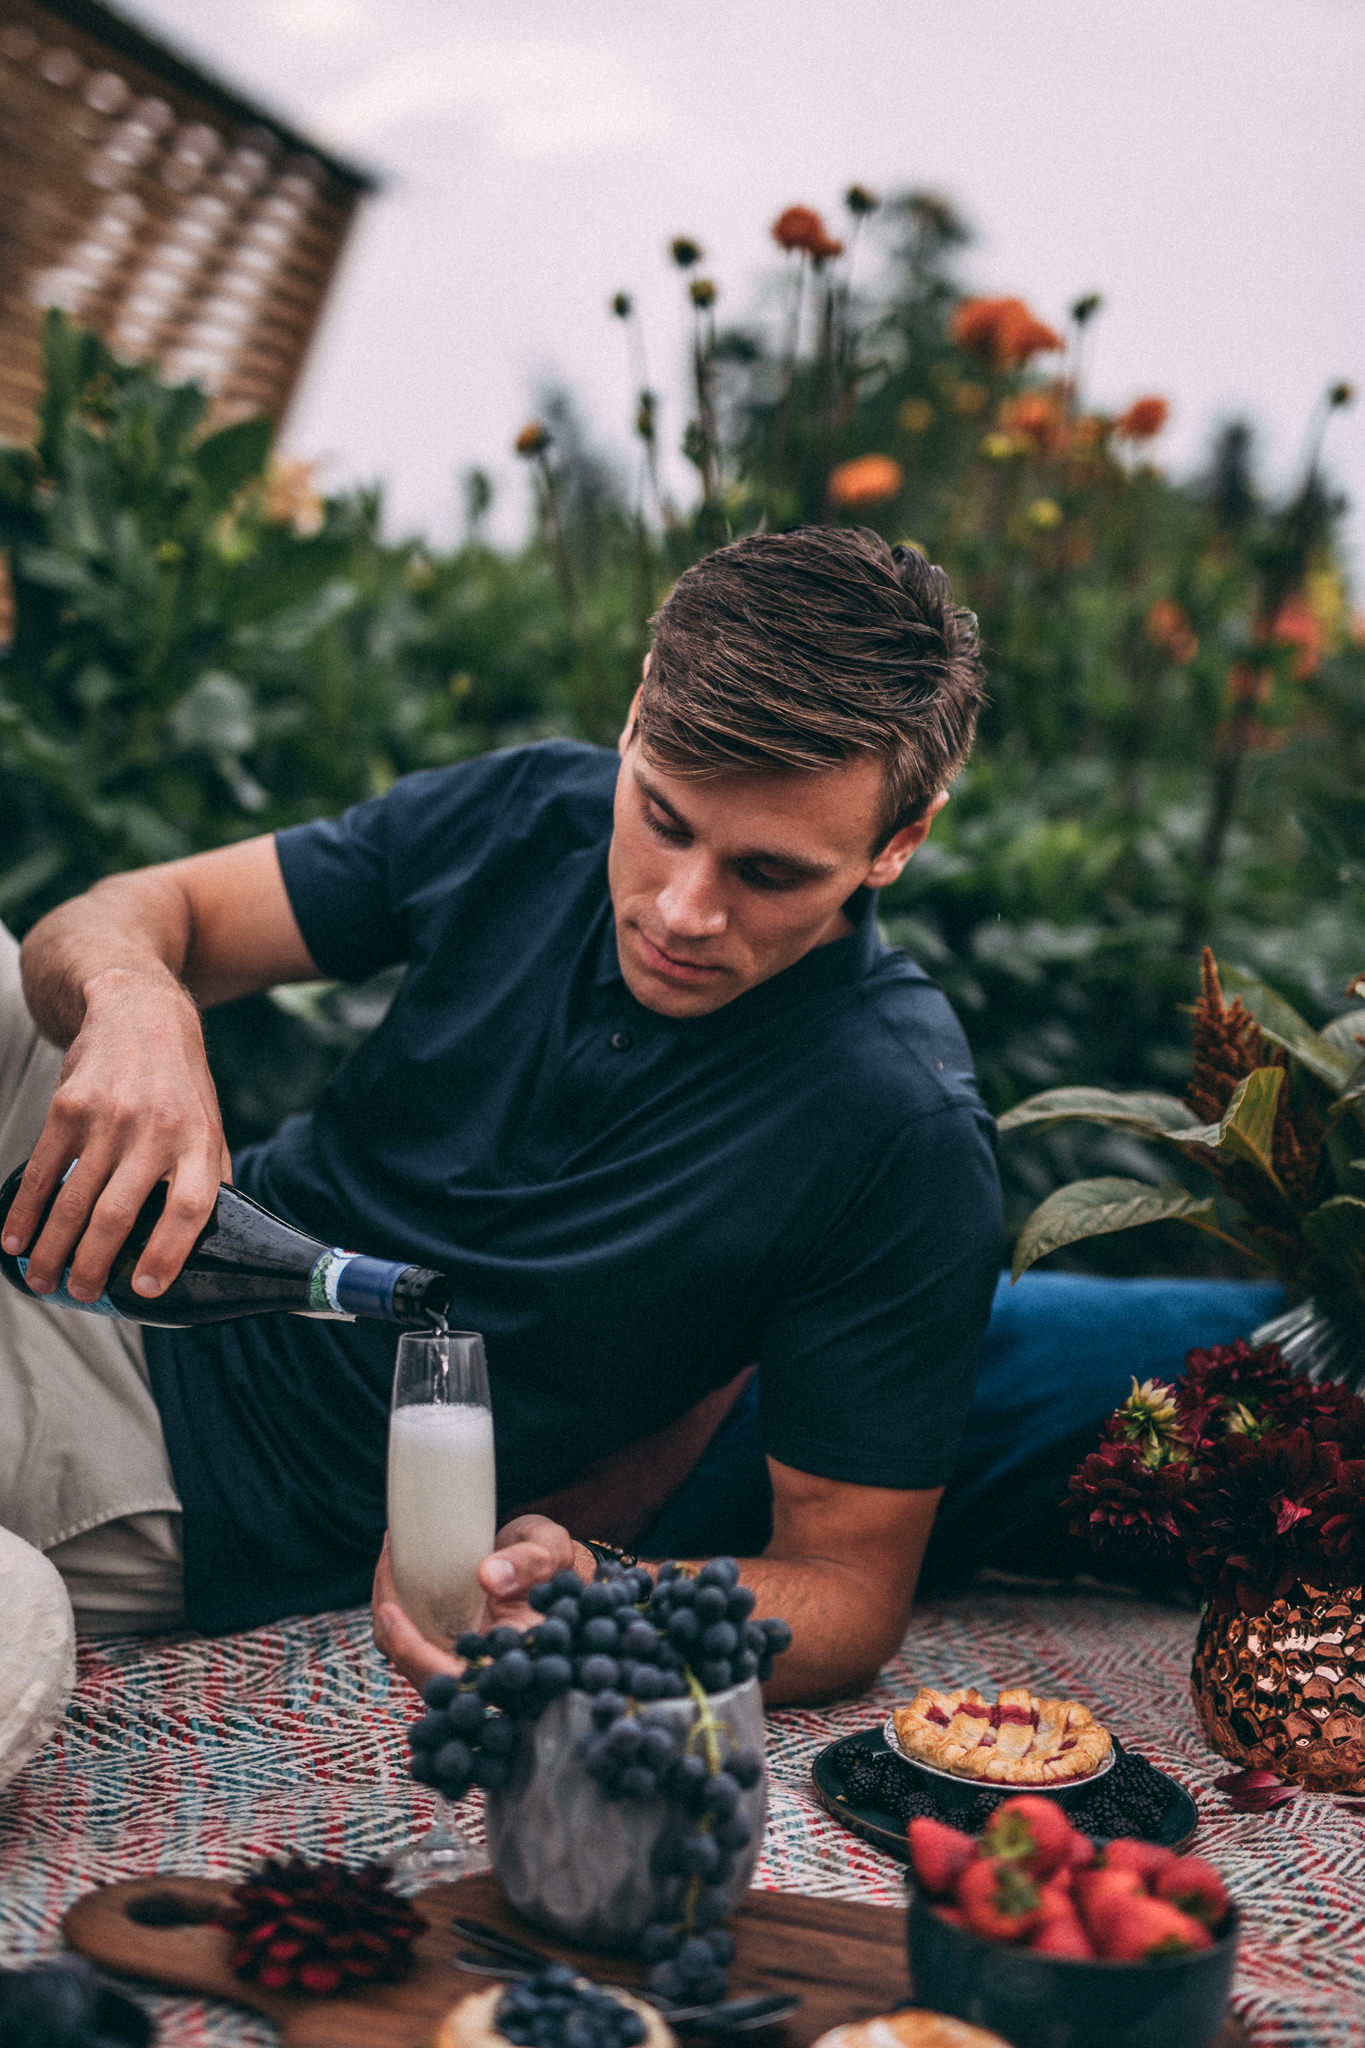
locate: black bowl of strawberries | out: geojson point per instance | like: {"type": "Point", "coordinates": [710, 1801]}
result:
{"type": "Point", "coordinates": [1034, 1931]}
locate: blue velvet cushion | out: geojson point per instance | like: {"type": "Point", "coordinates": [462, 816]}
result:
{"type": "Point", "coordinates": [1059, 1354]}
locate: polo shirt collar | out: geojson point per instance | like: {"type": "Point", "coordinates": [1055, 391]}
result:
{"type": "Point", "coordinates": [841, 964]}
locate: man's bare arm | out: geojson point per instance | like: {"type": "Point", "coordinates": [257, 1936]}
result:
{"type": "Point", "coordinates": [841, 1568]}
{"type": "Point", "coordinates": [117, 977]}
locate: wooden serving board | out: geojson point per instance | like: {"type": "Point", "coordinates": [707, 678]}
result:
{"type": "Point", "coordinates": [845, 1961]}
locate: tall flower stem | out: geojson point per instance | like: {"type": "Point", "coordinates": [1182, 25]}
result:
{"type": "Point", "coordinates": [782, 421]}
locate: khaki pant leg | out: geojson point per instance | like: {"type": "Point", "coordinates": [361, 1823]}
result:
{"type": "Point", "coordinates": [84, 1473]}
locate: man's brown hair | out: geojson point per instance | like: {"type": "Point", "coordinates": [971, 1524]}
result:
{"type": "Point", "coordinates": [797, 651]}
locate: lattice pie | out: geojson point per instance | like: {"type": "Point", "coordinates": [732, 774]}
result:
{"type": "Point", "coordinates": [1020, 1740]}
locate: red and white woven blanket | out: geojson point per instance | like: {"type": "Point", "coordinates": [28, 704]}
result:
{"type": "Point", "coordinates": [201, 1756]}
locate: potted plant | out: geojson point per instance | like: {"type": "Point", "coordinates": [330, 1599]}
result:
{"type": "Point", "coordinates": [1251, 1479]}
{"type": "Point", "coordinates": [1274, 1114]}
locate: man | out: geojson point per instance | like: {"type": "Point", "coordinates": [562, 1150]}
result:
{"type": "Point", "coordinates": [653, 1093]}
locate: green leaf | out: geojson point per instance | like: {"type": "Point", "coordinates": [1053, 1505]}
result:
{"type": "Point", "coordinates": [1347, 1031]}
{"type": "Point", "coordinates": [1154, 1116]}
{"type": "Point", "coordinates": [1284, 1026]}
{"type": "Point", "coordinates": [1092, 1208]}
{"type": "Point", "coordinates": [231, 457]}
{"type": "Point", "coordinates": [1248, 1126]}
{"type": "Point", "coordinates": [1337, 1231]}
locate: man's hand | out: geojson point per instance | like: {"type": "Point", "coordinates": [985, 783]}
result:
{"type": "Point", "coordinates": [526, 1551]}
{"type": "Point", "coordinates": [117, 977]}
{"type": "Point", "coordinates": [135, 1105]}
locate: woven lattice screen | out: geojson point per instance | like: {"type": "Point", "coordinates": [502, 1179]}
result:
{"type": "Point", "coordinates": [148, 202]}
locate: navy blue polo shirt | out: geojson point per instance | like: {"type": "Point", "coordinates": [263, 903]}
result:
{"type": "Point", "coordinates": [631, 1207]}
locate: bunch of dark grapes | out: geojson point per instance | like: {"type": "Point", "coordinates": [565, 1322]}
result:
{"type": "Point", "coordinates": [62, 2004]}
{"type": "Point", "coordinates": [632, 1643]}
{"type": "Point", "coordinates": [558, 2009]}
{"type": "Point", "coordinates": [705, 1618]}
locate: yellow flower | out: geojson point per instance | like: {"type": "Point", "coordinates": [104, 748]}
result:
{"type": "Point", "coordinates": [916, 416]}
{"type": "Point", "coordinates": [702, 291]}
{"type": "Point", "coordinates": [1002, 447]}
{"type": "Point", "coordinates": [970, 399]}
{"type": "Point", "coordinates": [1044, 513]}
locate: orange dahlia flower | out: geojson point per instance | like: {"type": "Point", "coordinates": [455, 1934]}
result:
{"type": "Point", "coordinates": [866, 480]}
{"type": "Point", "coordinates": [1038, 416]}
{"type": "Point", "coordinates": [1168, 625]}
{"type": "Point", "coordinates": [1297, 625]}
{"type": "Point", "coordinates": [801, 227]}
{"type": "Point", "coordinates": [1143, 420]}
{"type": "Point", "coordinates": [1001, 332]}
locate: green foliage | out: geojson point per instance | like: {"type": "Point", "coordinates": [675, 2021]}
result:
{"type": "Point", "coordinates": [1280, 1155]}
{"type": "Point", "coordinates": [1174, 750]}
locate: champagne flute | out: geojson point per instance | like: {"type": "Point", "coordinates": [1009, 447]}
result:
{"type": "Point", "coordinates": [442, 1517]}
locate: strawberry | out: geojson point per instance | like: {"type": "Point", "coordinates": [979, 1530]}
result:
{"type": "Point", "coordinates": [1099, 1892]}
{"type": "Point", "coordinates": [1031, 1831]}
{"type": "Point", "coordinates": [1139, 1929]}
{"type": "Point", "coordinates": [1195, 1886]}
{"type": "Point", "coordinates": [1148, 1859]}
{"type": "Point", "coordinates": [998, 1899]}
{"type": "Point", "coordinates": [1060, 1932]}
{"type": "Point", "coordinates": [1081, 1854]}
{"type": "Point", "coordinates": [939, 1855]}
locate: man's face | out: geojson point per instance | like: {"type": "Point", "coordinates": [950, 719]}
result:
{"type": "Point", "coordinates": [718, 884]}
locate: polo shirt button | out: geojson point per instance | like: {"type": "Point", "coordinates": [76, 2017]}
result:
{"type": "Point", "coordinates": [621, 1041]}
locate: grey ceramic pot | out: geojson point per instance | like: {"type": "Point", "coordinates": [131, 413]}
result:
{"type": "Point", "coordinates": [578, 1864]}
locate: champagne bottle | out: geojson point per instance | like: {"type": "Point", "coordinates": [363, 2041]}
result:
{"type": "Point", "coordinates": [246, 1262]}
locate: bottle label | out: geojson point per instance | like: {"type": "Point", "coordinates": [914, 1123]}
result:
{"type": "Point", "coordinates": [61, 1299]}
{"type": "Point", "coordinates": [349, 1284]}
{"type": "Point", "coordinates": [323, 1299]}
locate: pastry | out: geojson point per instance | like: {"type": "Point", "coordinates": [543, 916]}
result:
{"type": "Point", "coordinates": [470, 2024]}
{"type": "Point", "coordinates": [1018, 1740]}
{"type": "Point", "coordinates": [910, 2029]}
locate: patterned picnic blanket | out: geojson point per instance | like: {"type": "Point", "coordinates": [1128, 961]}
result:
{"type": "Point", "coordinates": [199, 1756]}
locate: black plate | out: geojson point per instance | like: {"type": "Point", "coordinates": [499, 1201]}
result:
{"type": "Point", "coordinates": [1177, 1824]}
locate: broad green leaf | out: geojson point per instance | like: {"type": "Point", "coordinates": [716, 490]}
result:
{"type": "Point", "coordinates": [1337, 1231]}
{"type": "Point", "coordinates": [1092, 1208]}
{"type": "Point", "coordinates": [1283, 1024]}
{"type": "Point", "coordinates": [1348, 1032]}
{"type": "Point", "coordinates": [231, 457]}
{"type": "Point", "coordinates": [1151, 1115]}
{"type": "Point", "coordinates": [1248, 1126]}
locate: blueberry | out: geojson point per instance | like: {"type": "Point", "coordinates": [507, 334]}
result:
{"type": "Point", "coordinates": [440, 1690]}
{"type": "Point", "coordinates": [469, 1645]}
{"type": "Point", "coordinates": [721, 1639]}
{"type": "Point", "coordinates": [552, 1637]}
{"type": "Point", "coordinates": [601, 1633]}
{"type": "Point", "coordinates": [711, 1603]}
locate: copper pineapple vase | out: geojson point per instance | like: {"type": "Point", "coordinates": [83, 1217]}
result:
{"type": "Point", "coordinates": [1284, 1691]}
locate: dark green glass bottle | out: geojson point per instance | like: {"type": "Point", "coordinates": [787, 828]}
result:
{"type": "Point", "coordinates": [246, 1262]}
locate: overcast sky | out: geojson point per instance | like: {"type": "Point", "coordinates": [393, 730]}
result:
{"type": "Point", "coordinates": [1199, 162]}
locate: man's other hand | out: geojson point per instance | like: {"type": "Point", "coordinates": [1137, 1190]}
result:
{"type": "Point", "coordinates": [528, 1550]}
